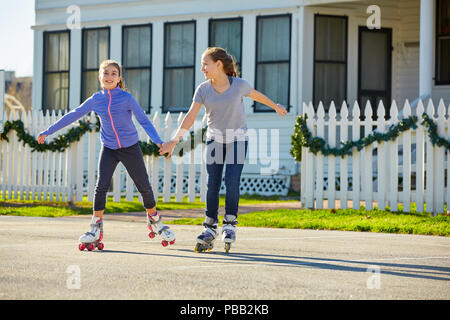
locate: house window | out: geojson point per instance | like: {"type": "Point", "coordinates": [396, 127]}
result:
{"type": "Point", "coordinates": [179, 65]}
{"type": "Point", "coordinates": [330, 60]}
{"type": "Point", "coordinates": [273, 59]}
{"type": "Point", "coordinates": [443, 42]}
{"type": "Point", "coordinates": [56, 70]}
{"type": "Point", "coordinates": [227, 34]}
{"type": "Point", "coordinates": [136, 57]}
{"type": "Point", "coordinates": [95, 50]}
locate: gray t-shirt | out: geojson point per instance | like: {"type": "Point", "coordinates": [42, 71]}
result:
{"type": "Point", "coordinates": [225, 111]}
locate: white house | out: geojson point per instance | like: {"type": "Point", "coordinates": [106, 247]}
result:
{"type": "Point", "coordinates": [292, 50]}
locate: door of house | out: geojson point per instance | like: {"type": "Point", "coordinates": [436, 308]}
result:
{"type": "Point", "coordinates": [374, 68]}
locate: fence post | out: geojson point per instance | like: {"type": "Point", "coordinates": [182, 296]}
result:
{"type": "Point", "coordinates": [167, 161]}
{"type": "Point", "coordinates": [393, 154]}
{"type": "Point", "coordinates": [429, 198]}
{"type": "Point", "coordinates": [420, 159]}
{"type": "Point", "coordinates": [52, 163]}
{"type": "Point", "coordinates": [155, 162]}
{"type": "Point", "coordinates": [72, 172]}
{"type": "Point", "coordinates": [381, 159]}
{"type": "Point", "coordinates": [179, 169]}
{"type": "Point", "coordinates": [320, 157]}
{"type": "Point", "coordinates": [203, 165]}
{"type": "Point", "coordinates": [22, 161]}
{"type": "Point", "coordinates": [343, 166]}
{"type": "Point", "coordinates": [303, 168]}
{"type": "Point", "coordinates": [356, 157]}
{"type": "Point", "coordinates": [310, 164]}
{"type": "Point", "coordinates": [366, 154]}
{"type": "Point", "coordinates": [439, 159]}
{"type": "Point", "coordinates": [332, 158]}
{"type": "Point", "coordinates": [191, 171]}
{"type": "Point", "coordinates": [91, 157]}
{"type": "Point", "coordinates": [406, 165]}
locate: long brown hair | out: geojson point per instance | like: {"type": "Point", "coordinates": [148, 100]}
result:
{"type": "Point", "coordinates": [115, 64]}
{"type": "Point", "coordinates": [228, 61]}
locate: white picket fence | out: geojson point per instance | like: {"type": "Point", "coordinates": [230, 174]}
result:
{"type": "Point", "coordinates": [59, 176]}
{"type": "Point", "coordinates": [405, 171]}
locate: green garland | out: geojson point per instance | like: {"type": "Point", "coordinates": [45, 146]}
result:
{"type": "Point", "coordinates": [62, 142]}
{"type": "Point", "coordinates": [302, 137]}
{"type": "Point", "coordinates": [432, 133]}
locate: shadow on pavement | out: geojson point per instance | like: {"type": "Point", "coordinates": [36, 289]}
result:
{"type": "Point", "coordinates": [402, 270]}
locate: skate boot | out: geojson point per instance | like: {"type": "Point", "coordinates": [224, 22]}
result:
{"type": "Point", "coordinates": [155, 226]}
{"type": "Point", "coordinates": [92, 239]}
{"type": "Point", "coordinates": [205, 241]}
{"type": "Point", "coordinates": [229, 231]}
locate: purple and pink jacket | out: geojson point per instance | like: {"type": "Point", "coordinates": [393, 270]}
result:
{"type": "Point", "coordinates": [114, 108]}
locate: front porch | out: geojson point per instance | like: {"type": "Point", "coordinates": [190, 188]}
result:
{"type": "Point", "coordinates": [343, 60]}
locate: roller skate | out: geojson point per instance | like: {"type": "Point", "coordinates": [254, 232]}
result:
{"type": "Point", "coordinates": [205, 241]}
{"type": "Point", "coordinates": [92, 239]}
{"type": "Point", "coordinates": [229, 231]}
{"type": "Point", "coordinates": [155, 226]}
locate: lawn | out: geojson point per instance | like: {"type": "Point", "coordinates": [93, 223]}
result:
{"type": "Point", "coordinates": [345, 219]}
{"type": "Point", "coordinates": [58, 209]}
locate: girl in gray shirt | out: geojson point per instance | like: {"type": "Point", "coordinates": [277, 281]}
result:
{"type": "Point", "coordinates": [222, 95]}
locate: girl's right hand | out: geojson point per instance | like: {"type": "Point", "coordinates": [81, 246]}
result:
{"type": "Point", "coordinates": [41, 138]}
{"type": "Point", "coordinates": [168, 147]}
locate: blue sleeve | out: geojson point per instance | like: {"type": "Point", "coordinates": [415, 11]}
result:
{"type": "Point", "coordinates": [86, 107]}
{"type": "Point", "coordinates": [142, 118]}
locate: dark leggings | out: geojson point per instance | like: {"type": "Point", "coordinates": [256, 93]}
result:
{"type": "Point", "coordinates": [133, 160]}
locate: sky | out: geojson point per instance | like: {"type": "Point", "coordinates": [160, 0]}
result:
{"type": "Point", "coordinates": [16, 36]}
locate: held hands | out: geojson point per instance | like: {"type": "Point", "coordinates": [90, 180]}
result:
{"type": "Point", "coordinates": [280, 109]}
{"type": "Point", "coordinates": [167, 148]}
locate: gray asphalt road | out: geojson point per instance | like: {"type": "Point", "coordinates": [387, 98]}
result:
{"type": "Point", "coordinates": [39, 259]}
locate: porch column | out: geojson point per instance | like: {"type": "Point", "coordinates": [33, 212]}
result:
{"type": "Point", "coordinates": [116, 42]}
{"type": "Point", "coordinates": [75, 68]}
{"type": "Point", "coordinates": [426, 47]}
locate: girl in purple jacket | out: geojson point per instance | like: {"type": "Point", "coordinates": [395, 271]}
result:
{"type": "Point", "coordinates": [119, 137]}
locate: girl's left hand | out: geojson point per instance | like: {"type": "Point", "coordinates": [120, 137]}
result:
{"type": "Point", "coordinates": [280, 110]}
{"type": "Point", "coordinates": [41, 138]}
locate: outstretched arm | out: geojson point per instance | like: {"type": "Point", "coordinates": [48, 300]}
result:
{"type": "Point", "coordinates": [142, 118]}
{"type": "Point", "coordinates": [83, 109]}
{"type": "Point", "coordinates": [261, 98]}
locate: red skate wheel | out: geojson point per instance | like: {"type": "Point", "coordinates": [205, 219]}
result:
{"type": "Point", "coordinates": [100, 246]}
{"type": "Point", "coordinates": [90, 246]}
{"type": "Point", "coordinates": [172, 242]}
{"type": "Point", "coordinates": [151, 235]}
{"type": "Point", "coordinates": [164, 243]}
{"type": "Point", "coordinates": [81, 246]}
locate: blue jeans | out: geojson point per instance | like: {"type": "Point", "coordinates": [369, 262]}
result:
{"type": "Point", "coordinates": [217, 154]}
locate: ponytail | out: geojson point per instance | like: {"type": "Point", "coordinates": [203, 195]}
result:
{"type": "Point", "coordinates": [229, 63]}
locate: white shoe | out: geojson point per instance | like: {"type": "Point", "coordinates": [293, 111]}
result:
{"type": "Point", "coordinates": [155, 226]}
